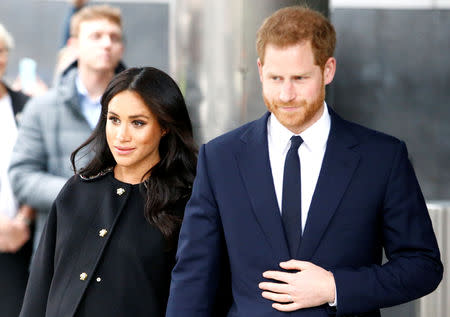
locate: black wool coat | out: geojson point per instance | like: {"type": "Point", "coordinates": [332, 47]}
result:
{"type": "Point", "coordinates": [98, 254]}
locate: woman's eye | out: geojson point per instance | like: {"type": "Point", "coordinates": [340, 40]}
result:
{"type": "Point", "coordinates": [138, 123]}
{"type": "Point", "coordinates": [114, 119]}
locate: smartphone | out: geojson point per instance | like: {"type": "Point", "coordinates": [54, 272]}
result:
{"type": "Point", "coordinates": [27, 73]}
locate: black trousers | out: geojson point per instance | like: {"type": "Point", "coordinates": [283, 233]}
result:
{"type": "Point", "coordinates": [14, 269]}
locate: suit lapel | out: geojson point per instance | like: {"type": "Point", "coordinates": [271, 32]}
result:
{"type": "Point", "coordinates": [338, 166]}
{"type": "Point", "coordinates": [254, 165]}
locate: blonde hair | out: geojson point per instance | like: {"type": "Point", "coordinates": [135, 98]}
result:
{"type": "Point", "coordinates": [294, 25]}
{"type": "Point", "coordinates": [6, 38]}
{"type": "Point", "coordinates": [91, 13]}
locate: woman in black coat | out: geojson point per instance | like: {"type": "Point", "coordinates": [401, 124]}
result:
{"type": "Point", "coordinates": [109, 244]}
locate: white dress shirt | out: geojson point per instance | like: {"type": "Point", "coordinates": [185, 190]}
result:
{"type": "Point", "coordinates": [8, 129]}
{"type": "Point", "coordinates": [311, 153]}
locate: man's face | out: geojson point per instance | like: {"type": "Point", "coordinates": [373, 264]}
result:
{"type": "Point", "coordinates": [293, 85]}
{"type": "Point", "coordinates": [99, 45]}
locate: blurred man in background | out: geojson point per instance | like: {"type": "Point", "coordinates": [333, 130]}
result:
{"type": "Point", "coordinates": [55, 124]}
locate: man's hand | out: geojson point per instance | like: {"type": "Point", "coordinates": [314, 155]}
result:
{"type": "Point", "coordinates": [310, 286]}
{"type": "Point", "coordinates": [26, 214]}
{"type": "Point", "coordinates": [14, 233]}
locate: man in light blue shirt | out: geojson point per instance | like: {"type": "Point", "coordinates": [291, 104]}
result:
{"type": "Point", "coordinates": [55, 124]}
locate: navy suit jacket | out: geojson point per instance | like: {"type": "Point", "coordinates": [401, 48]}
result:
{"type": "Point", "coordinates": [367, 198]}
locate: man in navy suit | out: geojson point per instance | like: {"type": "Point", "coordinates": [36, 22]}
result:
{"type": "Point", "coordinates": [298, 206]}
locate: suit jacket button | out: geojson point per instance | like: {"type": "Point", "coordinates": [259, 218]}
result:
{"type": "Point", "coordinates": [98, 279]}
{"type": "Point", "coordinates": [120, 191]}
{"type": "Point", "coordinates": [83, 276]}
{"type": "Point", "coordinates": [102, 232]}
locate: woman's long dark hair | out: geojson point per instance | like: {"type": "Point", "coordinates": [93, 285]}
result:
{"type": "Point", "coordinates": [169, 186]}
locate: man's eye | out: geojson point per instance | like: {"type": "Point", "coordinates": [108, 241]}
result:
{"type": "Point", "coordinates": [95, 36]}
{"type": "Point", "coordinates": [116, 38]}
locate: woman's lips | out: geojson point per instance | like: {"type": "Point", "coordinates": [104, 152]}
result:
{"type": "Point", "coordinates": [124, 150]}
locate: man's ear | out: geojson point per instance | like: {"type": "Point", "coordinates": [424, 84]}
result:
{"type": "Point", "coordinates": [260, 66]}
{"type": "Point", "coordinates": [329, 70]}
{"type": "Point", "coordinates": [71, 42]}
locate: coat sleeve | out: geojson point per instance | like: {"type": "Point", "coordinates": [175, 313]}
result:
{"type": "Point", "coordinates": [197, 273]}
{"type": "Point", "coordinates": [42, 268]}
{"type": "Point", "coordinates": [414, 268]}
{"type": "Point", "coordinates": [31, 182]}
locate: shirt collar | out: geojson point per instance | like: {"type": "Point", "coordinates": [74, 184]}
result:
{"type": "Point", "coordinates": [315, 137]}
{"type": "Point", "coordinates": [82, 91]}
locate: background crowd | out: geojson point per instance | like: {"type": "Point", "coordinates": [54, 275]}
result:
{"type": "Point", "coordinates": [39, 159]}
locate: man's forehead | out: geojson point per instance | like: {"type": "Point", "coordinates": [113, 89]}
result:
{"type": "Point", "coordinates": [100, 25]}
{"type": "Point", "coordinates": [286, 46]}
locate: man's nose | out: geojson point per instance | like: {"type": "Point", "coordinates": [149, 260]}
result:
{"type": "Point", "coordinates": [287, 92]}
{"type": "Point", "coordinates": [106, 40]}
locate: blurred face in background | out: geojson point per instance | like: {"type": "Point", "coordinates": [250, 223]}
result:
{"type": "Point", "coordinates": [99, 45]}
{"type": "Point", "coordinates": [4, 53]}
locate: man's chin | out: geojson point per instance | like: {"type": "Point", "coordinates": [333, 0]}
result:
{"type": "Point", "coordinates": [289, 119]}
{"type": "Point", "coordinates": [105, 68]}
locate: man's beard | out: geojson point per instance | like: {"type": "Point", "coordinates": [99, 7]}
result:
{"type": "Point", "coordinates": [302, 119]}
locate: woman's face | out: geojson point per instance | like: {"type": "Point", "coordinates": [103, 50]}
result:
{"type": "Point", "coordinates": [3, 58]}
{"type": "Point", "coordinates": [133, 135]}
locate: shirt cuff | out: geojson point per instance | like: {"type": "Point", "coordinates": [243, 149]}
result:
{"type": "Point", "coordinates": [334, 304]}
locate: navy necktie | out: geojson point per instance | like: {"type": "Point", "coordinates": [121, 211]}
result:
{"type": "Point", "coordinates": [292, 197]}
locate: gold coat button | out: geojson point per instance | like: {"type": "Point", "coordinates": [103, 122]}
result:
{"type": "Point", "coordinates": [120, 191]}
{"type": "Point", "coordinates": [98, 279]}
{"type": "Point", "coordinates": [83, 276]}
{"type": "Point", "coordinates": [102, 232]}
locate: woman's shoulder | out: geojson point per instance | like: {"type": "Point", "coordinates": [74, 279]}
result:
{"type": "Point", "coordinates": [80, 184]}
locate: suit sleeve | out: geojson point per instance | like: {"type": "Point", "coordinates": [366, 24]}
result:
{"type": "Point", "coordinates": [196, 275]}
{"type": "Point", "coordinates": [413, 268]}
{"type": "Point", "coordinates": [42, 268]}
{"type": "Point", "coordinates": [31, 182]}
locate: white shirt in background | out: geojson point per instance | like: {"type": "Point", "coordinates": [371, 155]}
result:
{"type": "Point", "coordinates": [8, 131]}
